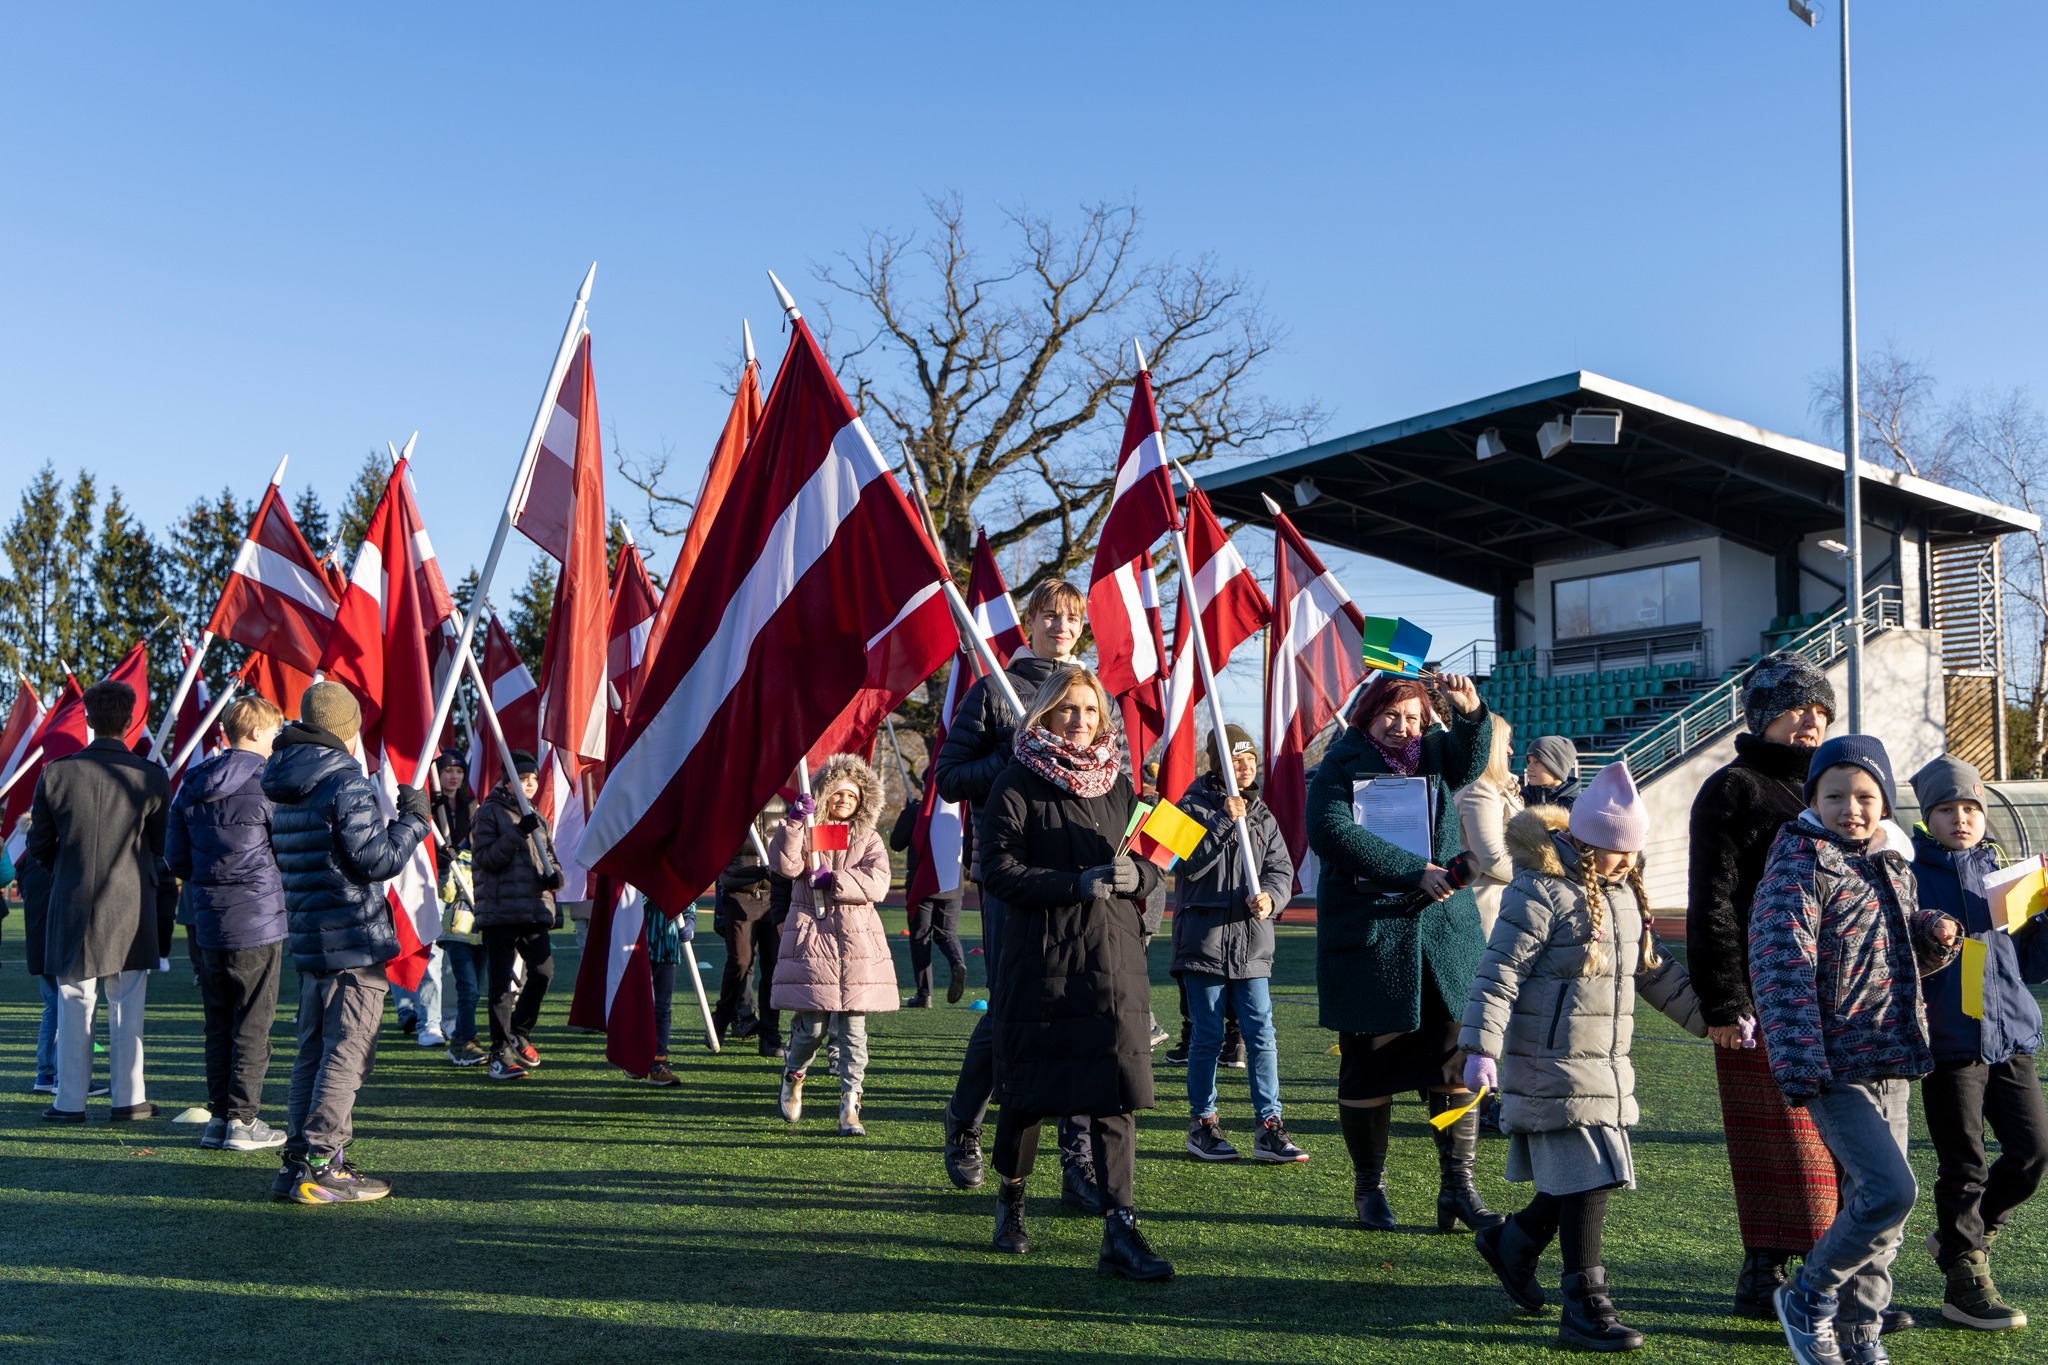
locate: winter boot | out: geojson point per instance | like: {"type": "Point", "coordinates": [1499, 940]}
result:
{"type": "Point", "coordinates": [1971, 1299]}
{"type": "Point", "coordinates": [849, 1115]}
{"type": "Point", "coordinates": [1756, 1288]}
{"type": "Point", "coordinates": [1457, 1147]}
{"type": "Point", "coordinates": [790, 1103]}
{"type": "Point", "coordinates": [1010, 1234]}
{"type": "Point", "coordinates": [964, 1164]}
{"type": "Point", "coordinates": [1589, 1319]}
{"type": "Point", "coordinates": [1513, 1253]}
{"type": "Point", "coordinates": [1078, 1189]}
{"type": "Point", "coordinates": [1125, 1251]}
{"type": "Point", "coordinates": [1365, 1135]}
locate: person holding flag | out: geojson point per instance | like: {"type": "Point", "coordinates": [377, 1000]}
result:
{"type": "Point", "coordinates": [933, 919]}
{"type": "Point", "coordinates": [517, 874]}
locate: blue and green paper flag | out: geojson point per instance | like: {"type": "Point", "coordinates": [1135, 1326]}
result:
{"type": "Point", "coordinates": [1394, 644]}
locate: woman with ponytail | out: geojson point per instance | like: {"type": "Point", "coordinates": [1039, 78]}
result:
{"type": "Point", "coordinates": [1548, 1025]}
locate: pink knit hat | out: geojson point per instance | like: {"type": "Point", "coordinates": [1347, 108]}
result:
{"type": "Point", "coordinates": [1609, 813]}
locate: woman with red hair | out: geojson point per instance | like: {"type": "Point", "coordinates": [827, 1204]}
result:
{"type": "Point", "coordinates": [1395, 942]}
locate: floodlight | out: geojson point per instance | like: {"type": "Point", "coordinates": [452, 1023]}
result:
{"type": "Point", "coordinates": [1597, 426]}
{"type": "Point", "coordinates": [1552, 437]}
{"type": "Point", "coordinates": [1806, 14]}
{"type": "Point", "coordinates": [1491, 446]}
{"type": "Point", "coordinates": [1835, 548]}
{"type": "Point", "coordinates": [1305, 492]}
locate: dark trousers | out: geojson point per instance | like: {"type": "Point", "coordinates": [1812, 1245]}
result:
{"type": "Point", "coordinates": [238, 992]}
{"type": "Point", "coordinates": [1112, 1139]}
{"type": "Point", "coordinates": [466, 963]}
{"type": "Point", "coordinates": [338, 1017]}
{"type": "Point", "coordinates": [1972, 1199]}
{"type": "Point", "coordinates": [751, 935]}
{"type": "Point", "coordinates": [664, 998]}
{"type": "Point", "coordinates": [935, 919]}
{"type": "Point", "coordinates": [514, 1011]}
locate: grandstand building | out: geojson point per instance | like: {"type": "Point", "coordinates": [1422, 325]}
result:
{"type": "Point", "coordinates": [1641, 552]}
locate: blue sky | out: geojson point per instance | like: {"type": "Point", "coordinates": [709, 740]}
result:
{"type": "Point", "coordinates": [235, 232]}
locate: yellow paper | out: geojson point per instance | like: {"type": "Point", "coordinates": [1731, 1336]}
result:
{"type": "Point", "coordinates": [1173, 828]}
{"type": "Point", "coordinates": [1974, 957]}
{"type": "Point", "coordinates": [2015, 902]}
{"type": "Point", "coordinates": [1451, 1116]}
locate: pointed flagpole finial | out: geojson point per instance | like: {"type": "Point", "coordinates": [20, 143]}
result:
{"type": "Point", "coordinates": [782, 296]}
{"type": "Point", "coordinates": [589, 278]}
{"type": "Point", "coordinates": [747, 340]}
{"type": "Point", "coordinates": [1271, 506]}
{"type": "Point", "coordinates": [626, 531]}
{"type": "Point", "coordinates": [395, 456]}
{"type": "Point", "coordinates": [1143, 368]}
{"type": "Point", "coordinates": [278, 478]}
{"type": "Point", "coordinates": [1185, 477]}
{"type": "Point", "coordinates": [410, 442]}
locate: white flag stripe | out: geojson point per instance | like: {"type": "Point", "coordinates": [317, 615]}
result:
{"type": "Point", "coordinates": [1147, 457]}
{"type": "Point", "coordinates": [636, 642]}
{"type": "Point", "coordinates": [917, 599]}
{"type": "Point", "coordinates": [626, 921]}
{"type": "Point", "coordinates": [1144, 657]}
{"type": "Point", "coordinates": [1211, 578]}
{"type": "Point", "coordinates": [801, 536]}
{"type": "Point", "coordinates": [263, 565]}
{"type": "Point", "coordinates": [510, 688]}
{"type": "Point", "coordinates": [561, 435]}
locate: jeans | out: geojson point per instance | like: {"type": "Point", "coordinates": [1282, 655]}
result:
{"type": "Point", "coordinates": [1255, 1018]}
{"type": "Point", "coordinates": [664, 1002]}
{"type": "Point", "coordinates": [515, 1009]}
{"type": "Point", "coordinates": [807, 1030]}
{"type": "Point", "coordinates": [464, 964]}
{"type": "Point", "coordinates": [46, 1034]}
{"type": "Point", "coordinates": [76, 998]}
{"type": "Point", "coordinates": [1864, 1126]}
{"type": "Point", "coordinates": [238, 992]}
{"type": "Point", "coordinates": [1972, 1198]}
{"type": "Point", "coordinates": [427, 1000]}
{"type": "Point", "coordinates": [338, 1016]}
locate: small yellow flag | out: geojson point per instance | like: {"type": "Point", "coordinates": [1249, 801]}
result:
{"type": "Point", "coordinates": [1451, 1116]}
{"type": "Point", "coordinates": [1173, 828]}
{"type": "Point", "coordinates": [1974, 958]}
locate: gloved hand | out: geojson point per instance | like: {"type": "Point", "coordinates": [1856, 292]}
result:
{"type": "Point", "coordinates": [415, 801]}
{"type": "Point", "coordinates": [1126, 869]}
{"type": "Point", "coordinates": [1481, 1071]}
{"type": "Point", "coordinates": [803, 807]}
{"type": "Point", "coordinates": [1097, 883]}
{"type": "Point", "coordinates": [529, 822]}
{"type": "Point", "coordinates": [1747, 1024]}
{"type": "Point", "coordinates": [822, 879]}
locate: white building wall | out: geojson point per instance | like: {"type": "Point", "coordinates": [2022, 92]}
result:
{"type": "Point", "coordinates": [1738, 591]}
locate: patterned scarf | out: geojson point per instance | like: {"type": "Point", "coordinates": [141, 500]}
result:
{"type": "Point", "coordinates": [1404, 760]}
{"type": "Point", "coordinates": [1083, 771]}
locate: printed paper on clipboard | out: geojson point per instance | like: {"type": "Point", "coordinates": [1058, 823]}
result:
{"type": "Point", "coordinates": [1396, 809]}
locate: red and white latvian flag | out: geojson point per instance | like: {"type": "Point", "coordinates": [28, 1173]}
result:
{"type": "Point", "coordinates": [62, 730]}
{"type": "Point", "coordinates": [17, 740]}
{"type": "Point", "coordinates": [817, 589]}
{"type": "Point", "coordinates": [190, 712]}
{"type": "Point", "coordinates": [380, 650]}
{"type": "Point", "coordinates": [1233, 610]}
{"type": "Point", "coordinates": [1127, 646]}
{"type": "Point", "coordinates": [1314, 658]}
{"type": "Point", "coordinates": [615, 988]}
{"type": "Point", "coordinates": [517, 700]}
{"type": "Point", "coordinates": [733, 440]}
{"type": "Point", "coordinates": [278, 598]}
{"type": "Point", "coordinates": [633, 605]}
{"type": "Point", "coordinates": [940, 835]}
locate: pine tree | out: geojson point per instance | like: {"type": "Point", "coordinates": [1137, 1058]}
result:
{"type": "Point", "coordinates": [130, 601]}
{"type": "Point", "coordinates": [203, 543]}
{"type": "Point", "coordinates": [37, 580]}
{"type": "Point", "coordinates": [77, 607]}
{"type": "Point", "coordinates": [531, 607]}
{"type": "Point", "coordinates": [352, 522]}
{"type": "Point", "coordinates": [314, 523]}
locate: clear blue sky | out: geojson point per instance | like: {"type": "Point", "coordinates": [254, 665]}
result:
{"type": "Point", "coordinates": [234, 232]}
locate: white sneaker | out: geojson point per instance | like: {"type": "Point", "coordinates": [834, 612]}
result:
{"type": "Point", "coordinates": [791, 1101]}
{"type": "Point", "coordinates": [253, 1136]}
{"type": "Point", "coordinates": [430, 1038]}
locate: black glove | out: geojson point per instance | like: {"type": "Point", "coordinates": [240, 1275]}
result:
{"type": "Point", "coordinates": [415, 802]}
{"type": "Point", "coordinates": [529, 822]}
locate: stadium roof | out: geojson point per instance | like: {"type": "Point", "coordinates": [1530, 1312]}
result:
{"type": "Point", "coordinates": [1417, 493]}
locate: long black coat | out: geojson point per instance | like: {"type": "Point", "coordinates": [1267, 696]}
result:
{"type": "Point", "coordinates": [1735, 819]}
{"type": "Point", "coordinates": [510, 888]}
{"type": "Point", "coordinates": [1071, 1007]}
{"type": "Point", "coordinates": [99, 826]}
{"type": "Point", "coordinates": [34, 880]}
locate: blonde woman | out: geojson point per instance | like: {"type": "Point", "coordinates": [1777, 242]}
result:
{"type": "Point", "coordinates": [1484, 809]}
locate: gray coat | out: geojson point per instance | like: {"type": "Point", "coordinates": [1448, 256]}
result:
{"type": "Point", "coordinates": [1563, 1037]}
{"type": "Point", "coordinates": [99, 827]}
{"type": "Point", "coordinates": [1214, 931]}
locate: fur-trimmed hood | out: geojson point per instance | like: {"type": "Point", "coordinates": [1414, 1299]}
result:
{"type": "Point", "coordinates": [1530, 845]}
{"type": "Point", "coordinates": [843, 767]}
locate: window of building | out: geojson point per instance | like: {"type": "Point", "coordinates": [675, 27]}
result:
{"type": "Point", "coordinates": [1656, 598]}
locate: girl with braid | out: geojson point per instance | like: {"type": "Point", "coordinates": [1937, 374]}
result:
{"type": "Point", "coordinates": [1548, 1025]}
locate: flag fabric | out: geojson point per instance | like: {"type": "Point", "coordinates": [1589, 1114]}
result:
{"type": "Point", "coordinates": [1314, 658]}
{"type": "Point", "coordinates": [829, 837]}
{"type": "Point", "coordinates": [1141, 510]}
{"type": "Point", "coordinates": [278, 598]}
{"type": "Point", "coordinates": [517, 701]}
{"type": "Point", "coordinates": [1173, 829]}
{"type": "Point", "coordinates": [279, 683]}
{"type": "Point", "coordinates": [573, 709]}
{"type": "Point", "coordinates": [1232, 608]}
{"type": "Point", "coordinates": [190, 712]}
{"type": "Point", "coordinates": [1143, 707]}
{"type": "Point", "coordinates": [740, 423]}
{"type": "Point", "coordinates": [544, 507]}
{"type": "Point", "coordinates": [563, 801]}
{"type": "Point", "coordinates": [17, 741]}
{"type": "Point", "coordinates": [615, 987]}
{"type": "Point", "coordinates": [380, 650]}
{"type": "Point", "coordinates": [633, 607]}
{"type": "Point", "coordinates": [1394, 644]}
{"type": "Point", "coordinates": [939, 835]}
{"type": "Point", "coordinates": [817, 602]}
{"type": "Point", "coordinates": [62, 731]}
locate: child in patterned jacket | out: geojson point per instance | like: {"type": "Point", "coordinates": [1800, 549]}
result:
{"type": "Point", "coordinates": [1837, 946]}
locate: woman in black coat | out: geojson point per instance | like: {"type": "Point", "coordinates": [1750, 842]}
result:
{"type": "Point", "coordinates": [1070, 1005]}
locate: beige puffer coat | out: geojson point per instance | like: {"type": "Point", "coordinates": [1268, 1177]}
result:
{"type": "Point", "coordinates": [834, 955]}
{"type": "Point", "coordinates": [1563, 1037]}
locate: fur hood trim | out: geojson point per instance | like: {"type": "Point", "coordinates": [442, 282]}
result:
{"type": "Point", "coordinates": [1528, 837]}
{"type": "Point", "coordinates": [850, 768]}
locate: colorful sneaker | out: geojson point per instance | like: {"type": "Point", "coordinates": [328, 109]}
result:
{"type": "Point", "coordinates": [526, 1054]}
{"type": "Point", "coordinates": [1272, 1143]}
{"type": "Point", "coordinates": [1971, 1299]}
{"type": "Point", "coordinates": [465, 1052]}
{"type": "Point", "coordinates": [1206, 1140]}
{"type": "Point", "coordinates": [659, 1073]}
{"type": "Point", "coordinates": [216, 1133]}
{"type": "Point", "coordinates": [504, 1069]}
{"type": "Point", "coordinates": [294, 1170]}
{"type": "Point", "coordinates": [253, 1136]}
{"type": "Point", "coordinates": [790, 1103]}
{"type": "Point", "coordinates": [336, 1182]}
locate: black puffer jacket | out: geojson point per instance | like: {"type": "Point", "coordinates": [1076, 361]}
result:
{"type": "Point", "coordinates": [1072, 1004]}
{"type": "Point", "coordinates": [509, 886]}
{"type": "Point", "coordinates": [335, 851]}
{"type": "Point", "coordinates": [1735, 819]}
{"type": "Point", "coordinates": [983, 732]}
{"type": "Point", "coordinates": [1214, 930]}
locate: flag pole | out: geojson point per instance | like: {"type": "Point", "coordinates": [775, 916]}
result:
{"type": "Point", "coordinates": [703, 1002]}
{"type": "Point", "coordinates": [971, 643]}
{"type": "Point", "coordinates": [902, 768]}
{"type": "Point", "coordinates": [571, 335]}
{"type": "Point", "coordinates": [803, 785]}
{"type": "Point", "coordinates": [28, 761]}
{"type": "Point", "coordinates": [206, 723]}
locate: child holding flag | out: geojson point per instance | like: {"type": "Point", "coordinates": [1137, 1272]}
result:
{"type": "Point", "coordinates": [1548, 1025]}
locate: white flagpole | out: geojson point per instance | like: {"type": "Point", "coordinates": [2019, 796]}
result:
{"type": "Point", "coordinates": [572, 334]}
{"type": "Point", "coordinates": [973, 645]}
{"type": "Point", "coordinates": [490, 715]}
{"type": "Point", "coordinates": [21, 769]}
{"type": "Point", "coordinates": [206, 722]}
{"type": "Point", "coordinates": [803, 784]}
{"type": "Point", "coordinates": [703, 1003]}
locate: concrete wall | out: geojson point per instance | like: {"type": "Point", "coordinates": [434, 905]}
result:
{"type": "Point", "coordinates": [1738, 591]}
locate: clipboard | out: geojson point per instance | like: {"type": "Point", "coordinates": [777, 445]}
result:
{"type": "Point", "coordinates": [1396, 809]}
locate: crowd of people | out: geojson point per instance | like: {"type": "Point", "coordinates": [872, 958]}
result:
{"type": "Point", "coordinates": [1506, 961]}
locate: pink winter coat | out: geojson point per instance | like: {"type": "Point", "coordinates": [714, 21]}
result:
{"type": "Point", "coordinates": [837, 960]}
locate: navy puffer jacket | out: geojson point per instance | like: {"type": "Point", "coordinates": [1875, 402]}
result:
{"type": "Point", "coordinates": [334, 850]}
{"type": "Point", "coordinates": [1953, 884]}
{"type": "Point", "coordinates": [218, 844]}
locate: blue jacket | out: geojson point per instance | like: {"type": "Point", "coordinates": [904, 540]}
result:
{"type": "Point", "coordinates": [1951, 882]}
{"type": "Point", "coordinates": [218, 844]}
{"type": "Point", "coordinates": [334, 850]}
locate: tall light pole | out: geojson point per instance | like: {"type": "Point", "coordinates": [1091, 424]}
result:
{"type": "Point", "coordinates": [1852, 406]}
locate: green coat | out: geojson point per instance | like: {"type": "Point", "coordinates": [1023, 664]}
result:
{"type": "Point", "coordinates": [1370, 947]}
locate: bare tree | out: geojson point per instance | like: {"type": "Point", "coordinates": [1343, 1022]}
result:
{"type": "Point", "coordinates": [1903, 423]}
{"type": "Point", "coordinates": [668, 511]}
{"type": "Point", "coordinates": [1003, 378]}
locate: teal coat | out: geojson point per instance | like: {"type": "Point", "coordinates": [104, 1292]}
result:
{"type": "Point", "coordinates": [1371, 948]}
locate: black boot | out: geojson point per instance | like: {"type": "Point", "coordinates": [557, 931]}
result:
{"type": "Point", "coordinates": [964, 1166]}
{"type": "Point", "coordinates": [1010, 1235]}
{"type": "Point", "coordinates": [1457, 1147]}
{"type": "Point", "coordinates": [1365, 1137]}
{"type": "Point", "coordinates": [1078, 1190]}
{"type": "Point", "coordinates": [1589, 1319]}
{"type": "Point", "coordinates": [1513, 1253]}
{"type": "Point", "coordinates": [1125, 1251]}
{"type": "Point", "coordinates": [1756, 1288]}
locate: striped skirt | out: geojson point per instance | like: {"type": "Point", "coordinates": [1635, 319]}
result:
{"type": "Point", "coordinates": [1784, 1176]}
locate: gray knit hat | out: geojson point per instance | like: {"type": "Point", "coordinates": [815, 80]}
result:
{"type": "Point", "coordinates": [333, 708]}
{"type": "Point", "coordinates": [1783, 682]}
{"type": "Point", "coordinates": [1947, 779]}
{"type": "Point", "coordinates": [1558, 755]}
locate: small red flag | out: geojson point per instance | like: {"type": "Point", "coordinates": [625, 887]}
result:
{"type": "Point", "coordinates": [829, 838]}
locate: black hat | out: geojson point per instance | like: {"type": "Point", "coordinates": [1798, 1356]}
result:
{"type": "Point", "coordinates": [522, 763]}
{"type": "Point", "coordinates": [1240, 742]}
{"type": "Point", "coordinates": [1781, 682]}
{"type": "Point", "coordinates": [448, 758]}
{"type": "Point", "coordinates": [1852, 751]}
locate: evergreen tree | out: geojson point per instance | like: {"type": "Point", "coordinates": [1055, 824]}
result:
{"type": "Point", "coordinates": [531, 607]}
{"type": "Point", "coordinates": [78, 606]}
{"type": "Point", "coordinates": [314, 523]}
{"type": "Point", "coordinates": [352, 522]}
{"type": "Point", "coordinates": [131, 600]}
{"type": "Point", "coordinates": [203, 543]}
{"type": "Point", "coordinates": [37, 582]}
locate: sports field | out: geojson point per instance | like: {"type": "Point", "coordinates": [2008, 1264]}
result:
{"type": "Point", "coordinates": [579, 1217]}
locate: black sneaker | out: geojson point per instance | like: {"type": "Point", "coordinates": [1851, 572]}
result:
{"type": "Point", "coordinates": [1206, 1140]}
{"type": "Point", "coordinates": [1232, 1054]}
{"type": "Point", "coordinates": [1177, 1055]}
{"type": "Point", "coordinates": [465, 1052]}
{"type": "Point", "coordinates": [526, 1054]}
{"type": "Point", "coordinates": [503, 1069]}
{"type": "Point", "coordinates": [1272, 1144]}
{"type": "Point", "coordinates": [337, 1182]}
{"type": "Point", "coordinates": [289, 1175]}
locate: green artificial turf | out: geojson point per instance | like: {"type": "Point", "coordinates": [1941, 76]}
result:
{"type": "Point", "coordinates": [579, 1217]}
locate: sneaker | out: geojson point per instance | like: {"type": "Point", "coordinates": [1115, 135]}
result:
{"type": "Point", "coordinates": [1272, 1143]}
{"type": "Point", "coordinates": [253, 1136]}
{"type": "Point", "coordinates": [1865, 1351]}
{"type": "Point", "coordinates": [790, 1102]}
{"type": "Point", "coordinates": [505, 1070]}
{"type": "Point", "coordinates": [659, 1073]}
{"type": "Point", "coordinates": [406, 1022]}
{"type": "Point", "coordinates": [216, 1133]}
{"type": "Point", "coordinates": [98, 1090]}
{"type": "Point", "coordinates": [1177, 1055]}
{"type": "Point", "coordinates": [1206, 1140]}
{"type": "Point", "coordinates": [771, 1046]}
{"type": "Point", "coordinates": [43, 1088]}
{"type": "Point", "coordinates": [128, 1113]}
{"type": "Point", "coordinates": [465, 1052]}
{"type": "Point", "coordinates": [55, 1115]}
{"type": "Point", "coordinates": [336, 1182]}
{"type": "Point", "coordinates": [918, 1002]}
{"type": "Point", "coordinates": [527, 1055]}
{"type": "Point", "coordinates": [1971, 1299]}
{"type": "Point", "coordinates": [432, 1037]}
{"type": "Point", "coordinates": [289, 1175]}
{"type": "Point", "coordinates": [1232, 1055]}
{"type": "Point", "coordinates": [956, 984]}
{"type": "Point", "coordinates": [1159, 1035]}
{"type": "Point", "coordinates": [1808, 1321]}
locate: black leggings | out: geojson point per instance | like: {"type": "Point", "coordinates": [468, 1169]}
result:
{"type": "Point", "coordinates": [1113, 1136]}
{"type": "Point", "coordinates": [1575, 1219]}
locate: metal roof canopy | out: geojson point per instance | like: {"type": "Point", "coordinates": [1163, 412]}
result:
{"type": "Point", "coordinates": [1415, 492]}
